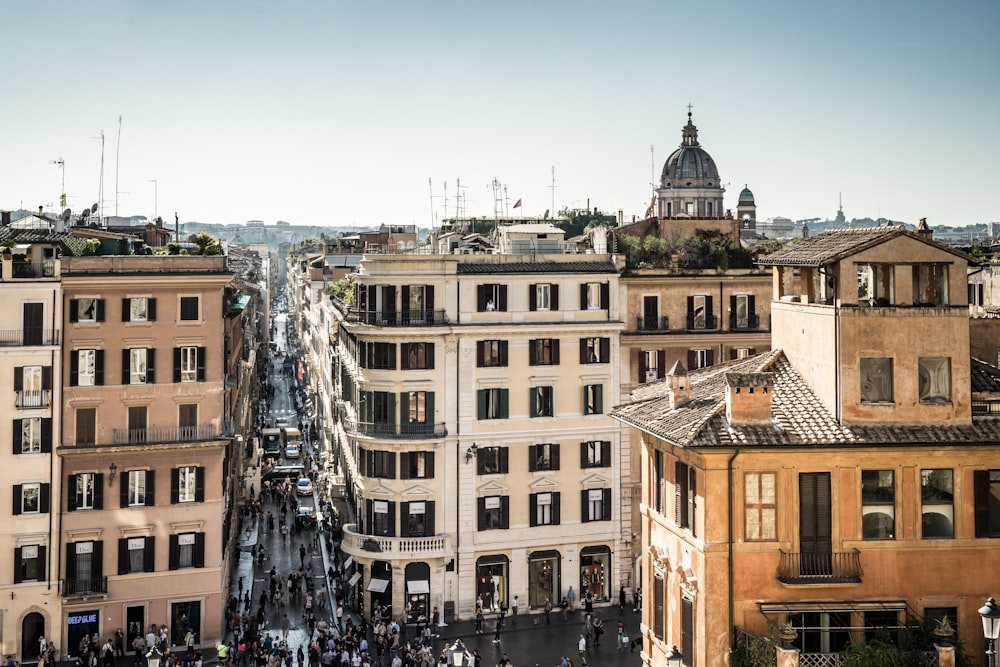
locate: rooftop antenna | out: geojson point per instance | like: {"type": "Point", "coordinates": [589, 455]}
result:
{"type": "Point", "coordinates": [459, 195]}
{"type": "Point", "coordinates": [430, 187]}
{"type": "Point", "coordinates": [652, 169]}
{"type": "Point", "coordinates": [118, 147]}
{"type": "Point", "coordinates": [446, 200]}
{"type": "Point", "coordinates": [62, 166]}
{"type": "Point", "coordinates": [553, 186]}
{"type": "Point", "coordinates": [100, 187]}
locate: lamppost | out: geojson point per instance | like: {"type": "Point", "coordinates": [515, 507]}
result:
{"type": "Point", "coordinates": [153, 657]}
{"type": "Point", "coordinates": [991, 629]}
{"type": "Point", "coordinates": [674, 657]}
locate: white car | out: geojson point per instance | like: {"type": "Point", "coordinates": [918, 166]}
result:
{"type": "Point", "coordinates": [292, 451]}
{"type": "Point", "coordinates": [304, 487]}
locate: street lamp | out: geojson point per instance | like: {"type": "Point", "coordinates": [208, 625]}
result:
{"type": "Point", "coordinates": [674, 657]}
{"type": "Point", "coordinates": [991, 628]}
{"type": "Point", "coordinates": [153, 657]}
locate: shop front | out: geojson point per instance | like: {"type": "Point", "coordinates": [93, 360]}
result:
{"type": "Point", "coordinates": [595, 572]}
{"type": "Point", "coordinates": [79, 624]}
{"type": "Point", "coordinates": [544, 577]}
{"type": "Point", "coordinates": [418, 591]}
{"type": "Point", "coordinates": [380, 587]}
{"type": "Point", "coordinates": [492, 577]}
{"type": "Point", "coordinates": [185, 617]}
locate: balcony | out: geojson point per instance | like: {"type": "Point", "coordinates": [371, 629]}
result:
{"type": "Point", "coordinates": [748, 323]}
{"type": "Point", "coordinates": [652, 323]}
{"type": "Point", "coordinates": [842, 567]}
{"type": "Point", "coordinates": [387, 431]}
{"type": "Point", "coordinates": [28, 336]}
{"type": "Point", "coordinates": [33, 399]}
{"type": "Point", "coordinates": [706, 322]}
{"type": "Point", "coordinates": [33, 270]}
{"type": "Point", "coordinates": [407, 318]}
{"type": "Point", "coordinates": [165, 434]}
{"type": "Point", "coordinates": [82, 588]}
{"type": "Point", "coordinates": [389, 548]}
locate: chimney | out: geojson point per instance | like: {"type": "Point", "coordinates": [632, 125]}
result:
{"type": "Point", "coordinates": [677, 380]}
{"type": "Point", "coordinates": [5, 218]}
{"type": "Point", "coordinates": [748, 398]}
{"type": "Point", "coordinates": [40, 209]}
{"type": "Point", "coordinates": [924, 231]}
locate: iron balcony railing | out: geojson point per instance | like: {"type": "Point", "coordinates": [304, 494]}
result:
{"type": "Point", "coordinates": [406, 318]}
{"type": "Point", "coordinates": [73, 587]}
{"type": "Point", "coordinates": [706, 323]}
{"type": "Point", "coordinates": [843, 567]}
{"type": "Point", "coordinates": [652, 323]}
{"type": "Point", "coordinates": [164, 434]}
{"type": "Point", "coordinates": [45, 269]}
{"type": "Point", "coordinates": [34, 399]}
{"type": "Point", "coordinates": [748, 323]}
{"type": "Point", "coordinates": [28, 336]}
{"type": "Point", "coordinates": [414, 431]}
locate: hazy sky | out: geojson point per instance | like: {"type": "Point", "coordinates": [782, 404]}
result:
{"type": "Point", "coordinates": [337, 113]}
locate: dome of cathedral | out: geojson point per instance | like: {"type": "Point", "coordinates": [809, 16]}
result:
{"type": "Point", "coordinates": [746, 195]}
{"type": "Point", "coordinates": [690, 164]}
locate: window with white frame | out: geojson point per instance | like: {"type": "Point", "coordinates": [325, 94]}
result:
{"type": "Point", "coordinates": [760, 506]}
{"type": "Point", "coordinates": [185, 550]}
{"type": "Point", "coordinates": [86, 484]}
{"type": "Point", "coordinates": [700, 358]}
{"type": "Point", "coordinates": [31, 380]}
{"type": "Point", "coordinates": [593, 399]}
{"type": "Point", "coordinates": [137, 365]}
{"type": "Point", "coordinates": [651, 364]}
{"type": "Point", "coordinates": [28, 565]}
{"type": "Point", "coordinates": [138, 309]}
{"type": "Point", "coordinates": [187, 484]}
{"type": "Point", "coordinates": [593, 296]}
{"type": "Point", "coordinates": [136, 554]}
{"type": "Point", "coordinates": [87, 367]}
{"type": "Point", "coordinates": [136, 488]}
{"type": "Point", "coordinates": [87, 309]}
{"type": "Point", "coordinates": [543, 296]}
{"type": "Point", "coordinates": [31, 495]}
{"type": "Point", "coordinates": [597, 505]}
{"type": "Point", "coordinates": [543, 514]}
{"type": "Point", "coordinates": [189, 364]}
{"type": "Point", "coordinates": [31, 435]}
{"type": "Point", "coordinates": [937, 503]}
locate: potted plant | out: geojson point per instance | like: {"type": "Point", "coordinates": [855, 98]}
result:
{"type": "Point", "coordinates": [943, 630]}
{"type": "Point", "coordinates": [787, 633]}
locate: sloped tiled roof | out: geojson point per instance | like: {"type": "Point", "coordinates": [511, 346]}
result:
{"type": "Point", "coordinates": [828, 246]}
{"type": "Point", "coordinates": [535, 267]}
{"type": "Point", "coordinates": [799, 418]}
{"type": "Point", "coordinates": [985, 378]}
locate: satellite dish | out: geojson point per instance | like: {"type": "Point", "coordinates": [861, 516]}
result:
{"type": "Point", "coordinates": [85, 213]}
{"type": "Point", "coordinates": [65, 214]}
{"type": "Point", "coordinates": [93, 209]}
{"type": "Point", "coordinates": [546, 216]}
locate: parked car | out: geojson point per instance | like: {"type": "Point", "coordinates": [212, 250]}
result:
{"type": "Point", "coordinates": [292, 451]}
{"type": "Point", "coordinates": [304, 487]}
{"type": "Point", "coordinates": [307, 518]}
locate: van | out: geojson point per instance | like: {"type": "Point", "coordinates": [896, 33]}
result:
{"type": "Point", "coordinates": [271, 440]}
{"type": "Point", "coordinates": [281, 473]}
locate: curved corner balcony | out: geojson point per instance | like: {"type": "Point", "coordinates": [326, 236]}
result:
{"type": "Point", "coordinates": [393, 548]}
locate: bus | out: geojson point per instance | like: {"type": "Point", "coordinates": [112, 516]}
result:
{"type": "Point", "coordinates": [272, 442]}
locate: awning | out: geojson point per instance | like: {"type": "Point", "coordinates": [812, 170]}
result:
{"type": "Point", "coordinates": [377, 585]}
{"type": "Point", "coordinates": [418, 586]}
{"type": "Point", "coordinates": [353, 581]}
{"type": "Point", "coordinates": [349, 562]}
{"type": "Point", "coordinates": [796, 607]}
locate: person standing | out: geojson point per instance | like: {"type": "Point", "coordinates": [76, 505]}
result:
{"type": "Point", "coordinates": [479, 620]}
{"type": "Point", "coordinates": [548, 610]}
{"type": "Point", "coordinates": [513, 612]}
{"type": "Point", "coordinates": [435, 619]}
{"type": "Point", "coordinates": [496, 636]}
{"type": "Point", "coordinates": [621, 600]}
{"type": "Point", "coordinates": [571, 597]}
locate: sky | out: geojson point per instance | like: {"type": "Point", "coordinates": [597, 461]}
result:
{"type": "Point", "coordinates": [362, 112]}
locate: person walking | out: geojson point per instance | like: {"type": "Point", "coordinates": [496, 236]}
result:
{"type": "Point", "coordinates": [621, 600]}
{"type": "Point", "coordinates": [598, 631]}
{"type": "Point", "coordinates": [581, 646]}
{"type": "Point", "coordinates": [571, 597]}
{"type": "Point", "coordinates": [496, 636]}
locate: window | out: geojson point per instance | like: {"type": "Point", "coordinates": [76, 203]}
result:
{"type": "Point", "coordinates": [86, 426]}
{"type": "Point", "coordinates": [596, 504]}
{"type": "Point", "coordinates": [418, 411]}
{"type": "Point", "coordinates": [86, 492]}
{"type": "Point", "coordinates": [416, 465]}
{"type": "Point", "coordinates": [659, 617]}
{"type": "Point", "coordinates": [741, 312]}
{"type": "Point", "coordinates": [137, 488]}
{"type": "Point", "coordinates": [418, 356]}
{"type": "Point", "coordinates": [189, 308]}
{"type": "Point", "coordinates": [652, 365]}
{"type": "Point", "coordinates": [976, 294]}
{"type": "Point", "coordinates": [137, 366]}
{"type": "Point", "coordinates": [382, 464]}
{"type": "Point", "coordinates": [699, 315]}
{"type": "Point", "coordinates": [595, 454]}
{"type": "Point", "coordinates": [416, 299]}
{"type": "Point", "coordinates": [593, 399]}
{"type": "Point", "coordinates": [378, 408]}
{"type": "Point", "coordinates": [31, 498]}
{"type": "Point", "coordinates": [494, 512]}
{"type": "Point", "coordinates": [28, 435]}
{"type": "Point", "coordinates": [187, 550]}
{"type": "Point", "coordinates": [187, 420]}
{"type": "Point", "coordinates": [932, 615]}
{"type": "Point", "coordinates": [876, 380]}
{"type": "Point", "coordinates": [136, 554]}
{"type": "Point", "coordinates": [491, 297]}
{"type": "Point", "coordinates": [684, 496]}
{"type": "Point", "coordinates": [29, 561]}
{"type": "Point", "coordinates": [936, 500]}
{"type": "Point", "coordinates": [187, 484]}
{"type": "Point", "coordinates": [32, 384]}
{"type": "Point", "coordinates": [138, 309]}
{"type": "Point", "coordinates": [544, 509]}
{"type": "Point", "coordinates": [659, 483]}
{"type": "Point", "coordinates": [84, 565]}
{"type": "Point", "coordinates": [760, 507]}
{"type": "Point", "coordinates": [935, 379]}
{"type": "Point", "coordinates": [543, 457]}
{"type": "Point", "coordinates": [491, 461]}
{"type": "Point", "coordinates": [382, 518]}
{"type": "Point", "coordinates": [743, 352]}
{"type": "Point", "coordinates": [189, 364]}
{"type": "Point", "coordinates": [700, 358]}
{"type": "Point", "coordinates": [543, 297]}
{"type": "Point", "coordinates": [87, 309]}
{"type": "Point", "coordinates": [417, 519]}
{"type": "Point", "coordinates": [594, 296]}
{"type": "Point", "coordinates": [986, 494]}
{"type": "Point", "coordinates": [541, 401]}
{"type": "Point", "coordinates": [492, 403]}
{"type": "Point", "coordinates": [595, 350]}
{"type": "Point", "coordinates": [380, 356]}
{"type": "Point", "coordinates": [543, 351]}
{"type": "Point", "coordinates": [491, 353]}
{"type": "Point", "coordinates": [878, 505]}
{"type": "Point", "coordinates": [930, 285]}
{"type": "Point", "coordinates": [137, 423]}
{"type": "Point", "coordinates": [86, 368]}
{"type": "Point", "coordinates": [875, 284]}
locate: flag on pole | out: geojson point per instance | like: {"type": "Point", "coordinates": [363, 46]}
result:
{"type": "Point", "coordinates": [652, 207]}
{"type": "Point", "coordinates": [62, 199]}
{"type": "Point", "coordinates": [518, 204]}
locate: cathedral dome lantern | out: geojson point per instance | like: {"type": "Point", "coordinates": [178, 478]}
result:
{"type": "Point", "coordinates": [689, 182]}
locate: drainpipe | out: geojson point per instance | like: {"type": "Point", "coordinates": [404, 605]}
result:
{"type": "Point", "coordinates": [52, 480]}
{"type": "Point", "coordinates": [458, 434]}
{"type": "Point", "coordinates": [729, 472]}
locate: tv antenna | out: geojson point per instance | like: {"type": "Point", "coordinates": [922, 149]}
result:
{"type": "Point", "coordinates": [553, 187]}
{"type": "Point", "coordinates": [100, 187]}
{"type": "Point", "coordinates": [118, 147]}
{"type": "Point", "coordinates": [62, 166]}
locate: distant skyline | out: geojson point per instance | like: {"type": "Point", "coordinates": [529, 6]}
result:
{"type": "Point", "coordinates": [337, 113]}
